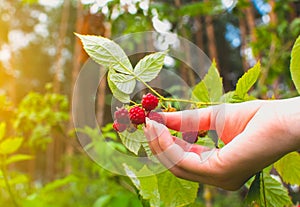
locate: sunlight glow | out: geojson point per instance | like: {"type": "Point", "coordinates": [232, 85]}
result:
{"type": "Point", "coordinates": [5, 53]}
{"type": "Point", "coordinates": [52, 3]}
{"type": "Point", "coordinates": [229, 4]}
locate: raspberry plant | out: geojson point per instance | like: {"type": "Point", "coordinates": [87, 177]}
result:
{"type": "Point", "coordinates": [264, 190]}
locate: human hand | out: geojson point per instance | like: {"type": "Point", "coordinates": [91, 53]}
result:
{"type": "Point", "coordinates": [256, 134]}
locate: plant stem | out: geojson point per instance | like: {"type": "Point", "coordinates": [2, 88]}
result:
{"type": "Point", "coordinates": [190, 101]}
{"type": "Point", "coordinates": [5, 177]}
{"type": "Point", "coordinates": [263, 188]}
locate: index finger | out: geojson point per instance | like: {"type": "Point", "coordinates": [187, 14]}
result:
{"type": "Point", "coordinates": [191, 120]}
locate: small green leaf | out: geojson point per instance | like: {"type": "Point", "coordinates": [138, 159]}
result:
{"type": "Point", "coordinates": [118, 94]}
{"type": "Point", "coordinates": [200, 92]}
{"type": "Point", "coordinates": [17, 158]}
{"type": "Point", "coordinates": [228, 97]}
{"type": "Point", "coordinates": [133, 141]}
{"type": "Point", "coordinates": [125, 83]}
{"type": "Point", "coordinates": [288, 168]}
{"type": "Point", "coordinates": [58, 183]}
{"type": "Point", "coordinates": [149, 67]}
{"type": "Point", "coordinates": [210, 88]}
{"type": "Point", "coordinates": [2, 130]}
{"type": "Point", "coordinates": [106, 52]}
{"type": "Point", "coordinates": [147, 185]}
{"type": "Point", "coordinates": [245, 83]}
{"type": "Point", "coordinates": [10, 145]}
{"type": "Point", "coordinates": [102, 201]}
{"type": "Point", "coordinates": [253, 194]}
{"type": "Point", "coordinates": [295, 64]}
{"type": "Point", "coordinates": [273, 193]}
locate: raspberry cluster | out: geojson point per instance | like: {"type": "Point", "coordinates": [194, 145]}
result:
{"type": "Point", "coordinates": [130, 119]}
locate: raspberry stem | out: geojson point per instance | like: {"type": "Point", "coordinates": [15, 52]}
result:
{"type": "Point", "coordinates": [190, 101]}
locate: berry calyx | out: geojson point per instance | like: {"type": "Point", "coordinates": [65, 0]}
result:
{"type": "Point", "coordinates": [137, 115]}
{"type": "Point", "coordinates": [149, 102]}
{"type": "Point", "coordinates": [122, 116]}
{"type": "Point", "coordinates": [119, 127]}
{"type": "Point", "coordinates": [156, 117]}
{"type": "Point", "coordinates": [190, 137]}
{"type": "Point", "coordinates": [131, 128]}
{"type": "Point", "coordinates": [202, 133]}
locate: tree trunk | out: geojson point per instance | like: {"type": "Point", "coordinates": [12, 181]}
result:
{"type": "Point", "coordinates": [86, 23]}
{"type": "Point", "coordinates": [243, 29]}
{"type": "Point", "coordinates": [55, 148]}
{"type": "Point", "coordinates": [210, 32]}
{"type": "Point", "coordinates": [60, 46]}
{"type": "Point", "coordinates": [250, 18]}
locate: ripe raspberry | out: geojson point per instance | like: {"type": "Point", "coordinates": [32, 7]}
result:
{"type": "Point", "coordinates": [149, 102]}
{"type": "Point", "coordinates": [190, 137]}
{"type": "Point", "coordinates": [137, 115]}
{"type": "Point", "coordinates": [156, 117]}
{"type": "Point", "coordinates": [119, 127]}
{"type": "Point", "coordinates": [122, 116]}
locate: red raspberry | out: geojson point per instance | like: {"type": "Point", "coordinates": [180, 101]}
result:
{"type": "Point", "coordinates": [190, 137]}
{"type": "Point", "coordinates": [122, 116]}
{"type": "Point", "coordinates": [149, 102]}
{"type": "Point", "coordinates": [119, 127]}
{"type": "Point", "coordinates": [156, 117]}
{"type": "Point", "coordinates": [137, 115]}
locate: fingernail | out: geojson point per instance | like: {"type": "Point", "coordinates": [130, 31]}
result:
{"type": "Point", "coordinates": [148, 123]}
{"type": "Point", "coordinates": [149, 130]}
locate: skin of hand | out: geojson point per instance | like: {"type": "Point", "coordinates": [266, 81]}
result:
{"type": "Point", "coordinates": [256, 133]}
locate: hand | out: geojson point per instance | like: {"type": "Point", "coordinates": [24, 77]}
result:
{"type": "Point", "coordinates": [256, 134]}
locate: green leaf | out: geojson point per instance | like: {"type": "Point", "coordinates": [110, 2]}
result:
{"type": "Point", "coordinates": [2, 130]}
{"type": "Point", "coordinates": [200, 8]}
{"type": "Point", "coordinates": [133, 141]}
{"type": "Point", "coordinates": [295, 64]}
{"type": "Point", "coordinates": [288, 168]}
{"type": "Point", "coordinates": [175, 191]}
{"type": "Point", "coordinates": [125, 83]}
{"type": "Point", "coordinates": [227, 97]}
{"type": "Point", "coordinates": [206, 141]}
{"type": "Point", "coordinates": [245, 83]}
{"type": "Point", "coordinates": [147, 185]}
{"type": "Point", "coordinates": [106, 52]}
{"type": "Point", "coordinates": [148, 68]}
{"type": "Point", "coordinates": [58, 183]}
{"type": "Point", "coordinates": [10, 145]}
{"type": "Point", "coordinates": [273, 193]}
{"type": "Point", "coordinates": [17, 158]}
{"type": "Point", "coordinates": [210, 89]}
{"type": "Point", "coordinates": [14, 180]}
{"type": "Point", "coordinates": [254, 191]}
{"type": "Point", "coordinates": [118, 94]}
{"type": "Point", "coordinates": [102, 201]}
{"type": "Point", "coordinates": [149, 153]}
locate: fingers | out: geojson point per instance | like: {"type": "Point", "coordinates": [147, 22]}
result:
{"type": "Point", "coordinates": [171, 150]}
{"type": "Point", "coordinates": [162, 143]}
{"type": "Point", "coordinates": [191, 120]}
{"type": "Point", "coordinates": [188, 161]}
